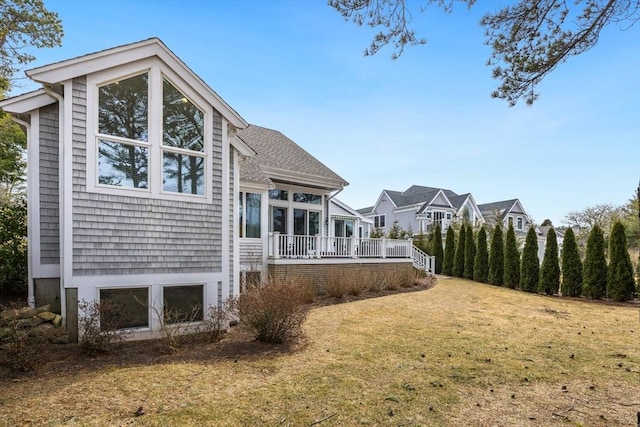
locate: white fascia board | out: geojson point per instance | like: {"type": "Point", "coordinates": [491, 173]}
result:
{"type": "Point", "coordinates": [94, 62]}
{"type": "Point", "coordinates": [445, 197]}
{"type": "Point", "coordinates": [409, 208]}
{"type": "Point", "coordinates": [476, 208]}
{"type": "Point", "coordinates": [344, 206]}
{"type": "Point", "coordinates": [244, 149]}
{"type": "Point", "coordinates": [303, 179]}
{"type": "Point", "coordinates": [254, 187]}
{"type": "Point", "coordinates": [384, 193]}
{"type": "Point", "coordinates": [27, 102]}
{"type": "Point", "coordinates": [517, 203]}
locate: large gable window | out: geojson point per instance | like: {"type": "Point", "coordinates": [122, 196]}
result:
{"type": "Point", "coordinates": [150, 135]}
{"type": "Point", "coordinates": [123, 150]}
{"type": "Point", "coordinates": [182, 143]}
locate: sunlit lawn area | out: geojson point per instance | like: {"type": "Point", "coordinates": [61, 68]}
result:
{"type": "Point", "coordinates": [461, 353]}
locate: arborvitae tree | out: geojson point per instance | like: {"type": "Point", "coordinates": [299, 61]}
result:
{"type": "Point", "coordinates": [550, 270]}
{"type": "Point", "coordinates": [496, 257]}
{"type": "Point", "coordinates": [449, 252]}
{"type": "Point", "coordinates": [396, 231]}
{"type": "Point", "coordinates": [458, 262]}
{"type": "Point", "coordinates": [571, 266]}
{"type": "Point", "coordinates": [511, 260]}
{"type": "Point", "coordinates": [436, 248]}
{"type": "Point", "coordinates": [481, 261]}
{"type": "Point", "coordinates": [594, 269]}
{"type": "Point", "coordinates": [469, 253]}
{"type": "Point", "coordinates": [620, 283]}
{"type": "Point", "coordinates": [421, 241]}
{"type": "Point", "coordinates": [530, 268]}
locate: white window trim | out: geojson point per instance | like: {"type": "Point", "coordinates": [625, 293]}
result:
{"type": "Point", "coordinates": [149, 307]}
{"type": "Point", "coordinates": [380, 216]}
{"type": "Point", "coordinates": [243, 224]}
{"type": "Point", "coordinates": [291, 205]}
{"type": "Point", "coordinates": [182, 285]}
{"type": "Point", "coordinates": [157, 71]}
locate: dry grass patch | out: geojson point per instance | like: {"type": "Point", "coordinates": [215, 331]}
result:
{"type": "Point", "coordinates": [461, 353]}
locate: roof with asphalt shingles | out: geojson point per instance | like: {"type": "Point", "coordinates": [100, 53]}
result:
{"type": "Point", "coordinates": [416, 194]}
{"type": "Point", "coordinates": [274, 150]}
{"type": "Point", "coordinates": [502, 206]}
{"type": "Point", "coordinates": [458, 200]}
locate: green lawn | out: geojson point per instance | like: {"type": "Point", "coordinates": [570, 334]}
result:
{"type": "Point", "coordinates": [461, 353]}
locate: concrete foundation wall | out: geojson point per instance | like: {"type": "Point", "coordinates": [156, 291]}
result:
{"type": "Point", "coordinates": [47, 291]}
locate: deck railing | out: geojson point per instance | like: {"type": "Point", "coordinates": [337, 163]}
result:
{"type": "Point", "coordinates": [291, 246]}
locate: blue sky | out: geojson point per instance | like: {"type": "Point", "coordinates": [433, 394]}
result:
{"type": "Point", "coordinates": [426, 118]}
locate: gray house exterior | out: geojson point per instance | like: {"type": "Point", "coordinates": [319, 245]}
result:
{"type": "Point", "coordinates": [507, 212]}
{"type": "Point", "coordinates": [132, 209]}
{"type": "Point", "coordinates": [419, 209]}
{"type": "Point", "coordinates": [147, 189]}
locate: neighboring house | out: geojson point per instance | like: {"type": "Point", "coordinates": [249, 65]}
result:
{"type": "Point", "coordinates": [541, 232]}
{"type": "Point", "coordinates": [346, 221]}
{"type": "Point", "coordinates": [419, 209]}
{"type": "Point", "coordinates": [147, 189]}
{"type": "Point", "coordinates": [507, 212]}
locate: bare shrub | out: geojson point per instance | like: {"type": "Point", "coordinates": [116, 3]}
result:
{"type": "Point", "coordinates": [392, 281]}
{"type": "Point", "coordinates": [335, 283]}
{"type": "Point", "coordinates": [179, 327]}
{"type": "Point", "coordinates": [376, 282]}
{"type": "Point", "coordinates": [357, 281]}
{"type": "Point", "coordinates": [407, 279]}
{"type": "Point", "coordinates": [174, 324]}
{"type": "Point", "coordinates": [100, 326]}
{"type": "Point", "coordinates": [274, 311]}
{"type": "Point", "coordinates": [215, 324]}
{"type": "Point", "coordinates": [25, 347]}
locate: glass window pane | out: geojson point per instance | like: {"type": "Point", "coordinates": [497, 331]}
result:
{"type": "Point", "coordinates": [349, 224]}
{"type": "Point", "coordinates": [123, 108]}
{"type": "Point", "coordinates": [279, 219]}
{"type": "Point", "coordinates": [278, 194]}
{"type": "Point", "coordinates": [131, 306]}
{"type": "Point", "coordinates": [299, 222]}
{"type": "Point", "coordinates": [123, 165]}
{"type": "Point", "coordinates": [338, 228]}
{"type": "Point", "coordinates": [182, 173]}
{"type": "Point", "coordinates": [183, 122]}
{"type": "Point", "coordinates": [253, 215]}
{"type": "Point", "coordinates": [314, 223]}
{"type": "Point", "coordinates": [307, 198]}
{"type": "Point", "coordinates": [183, 303]}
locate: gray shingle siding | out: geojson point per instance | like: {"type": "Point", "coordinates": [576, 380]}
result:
{"type": "Point", "coordinates": [121, 235]}
{"type": "Point", "coordinates": [49, 188]}
{"type": "Point", "coordinates": [251, 254]}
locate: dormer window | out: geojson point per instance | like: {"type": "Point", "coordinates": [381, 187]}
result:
{"type": "Point", "coordinates": [150, 136]}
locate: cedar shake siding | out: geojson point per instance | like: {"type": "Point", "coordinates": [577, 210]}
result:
{"type": "Point", "coordinates": [124, 235]}
{"type": "Point", "coordinates": [232, 219]}
{"type": "Point", "coordinates": [49, 188]}
{"type": "Point", "coordinates": [251, 254]}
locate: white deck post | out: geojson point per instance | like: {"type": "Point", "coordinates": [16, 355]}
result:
{"type": "Point", "coordinates": [354, 253]}
{"type": "Point", "coordinates": [383, 250]}
{"type": "Point", "coordinates": [318, 245]}
{"type": "Point", "coordinates": [276, 244]}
